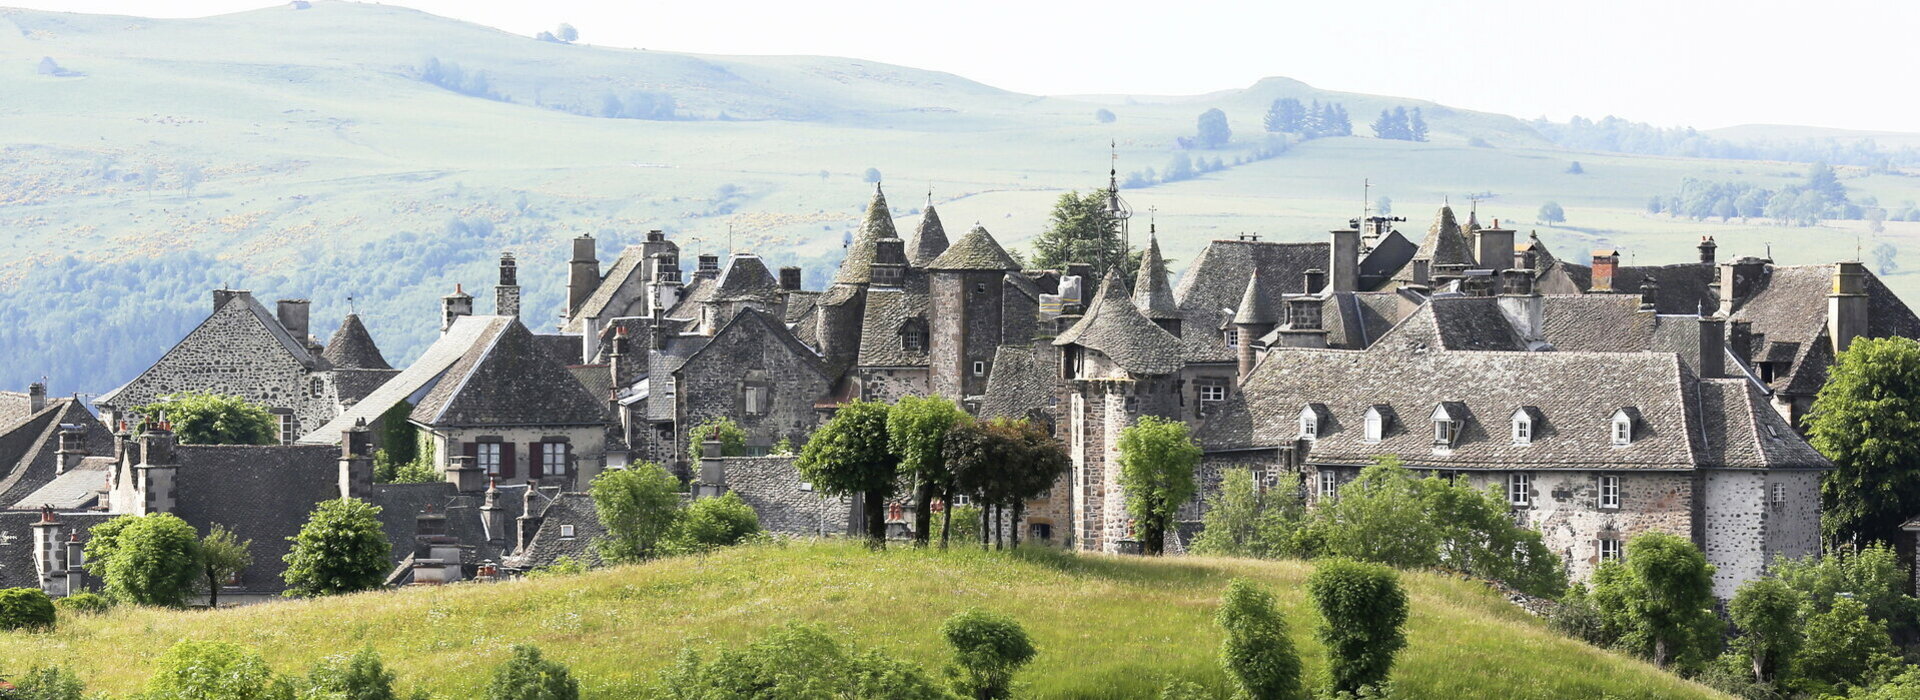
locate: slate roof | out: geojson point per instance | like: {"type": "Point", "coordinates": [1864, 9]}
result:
{"type": "Point", "coordinates": [1116, 329]}
{"type": "Point", "coordinates": [1446, 243]}
{"type": "Point", "coordinates": [261, 493]}
{"type": "Point", "coordinates": [1213, 284]}
{"type": "Point", "coordinates": [880, 331]}
{"type": "Point", "coordinates": [772, 329]}
{"type": "Point", "coordinates": [401, 505]}
{"type": "Point", "coordinates": [79, 488]}
{"type": "Point", "coordinates": [351, 347]}
{"type": "Point", "coordinates": [975, 251]}
{"type": "Point", "coordinates": [928, 241]}
{"type": "Point", "coordinates": [800, 305]}
{"type": "Point", "coordinates": [746, 279]}
{"type": "Point", "coordinates": [857, 268]}
{"type": "Point", "coordinates": [1389, 255]}
{"type": "Point", "coordinates": [1788, 315]}
{"type": "Point", "coordinates": [596, 379]}
{"type": "Point", "coordinates": [1684, 288]}
{"type": "Point", "coordinates": [1450, 322]}
{"type": "Point", "coordinates": [17, 568]}
{"type": "Point", "coordinates": [466, 332]}
{"type": "Point", "coordinates": [565, 348]}
{"type": "Point", "coordinates": [548, 545]}
{"type": "Point", "coordinates": [241, 303]}
{"type": "Point", "coordinates": [629, 263]}
{"type": "Point", "coordinates": [1151, 293]}
{"type": "Point", "coordinates": [356, 384]}
{"type": "Point", "coordinates": [1685, 422]}
{"type": "Point", "coordinates": [692, 295]}
{"type": "Point", "coordinates": [1023, 382]}
{"type": "Point", "coordinates": [14, 407]}
{"type": "Point", "coordinates": [1256, 307]}
{"type": "Point", "coordinates": [29, 449]}
{"type": "Point", "coordinates": [509, 380]}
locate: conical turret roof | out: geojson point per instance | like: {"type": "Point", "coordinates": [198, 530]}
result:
{"type": "Point", "coordinates": [857, 268]}
{"type": "Point", "coordinates": [928, 241]}
{"type": "Point", "coordinates": [975, 251]}
{"type": "Point", "coordinates": [352, 347]}
{"type": "Point", "coordinates": [1446, 244]}
{"type": "Point", "coordinates": [1151, 293]}
{"type": "Point", "coordinates": [1256, 308]}
{"type": "Point", "coordinates": [1115, 328]}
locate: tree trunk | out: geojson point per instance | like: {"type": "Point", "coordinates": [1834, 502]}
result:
{"type": "Point", "coordinates": [1019, 506]}
{"type": "Point", "coordinates": [1154, 540]}
{"type": "Point", "coordinates": [876, 520]}
{"type": "Point", "coordinates": [1660, 652]}
{"type": "Point", "coordinates": [986, 533]}
{"type": "Point", "coordinates": [213, 591]}
{"type": "Point", "coordinates": [922, 514]}
{"type": "Point", "coordinates": [1759, 667]}
{"type": "Point", "coordinates": [946, 518]}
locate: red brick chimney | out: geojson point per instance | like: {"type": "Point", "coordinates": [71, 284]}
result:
{"type": "Point", "coordinates": [1604, 263]}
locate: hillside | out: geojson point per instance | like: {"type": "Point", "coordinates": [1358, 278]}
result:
{"type": "Point", "coordinates": [370, 157]}
{"type": "Point", "coordinates": [1106, 627]}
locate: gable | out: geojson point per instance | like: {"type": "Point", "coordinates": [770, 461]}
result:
{"type": "Point", "coordinates": [512, 381]}
{"type": "Point", "coordinates": [240, 350]}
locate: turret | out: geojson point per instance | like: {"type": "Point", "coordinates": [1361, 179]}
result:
{"type": "Point", "coordinates": [1254, 319]}
{"type": "Point", "coordinates": [1151, 293]}
{"type": "Point", "coordinates": [583, 273]}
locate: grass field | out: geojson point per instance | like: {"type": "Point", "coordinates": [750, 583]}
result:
{"type": "Point", "coordinates": [1106, 627]}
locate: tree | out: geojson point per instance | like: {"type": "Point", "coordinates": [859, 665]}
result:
{"type": "Point", "coordinates": [213, 419]}
{"type": "Point", "coordinates": [1416, 126]}
{"type": "Point", "coordinates": [1872, 575]}
{"type": "Point", "coordinates": [711, 523]}
{"type": "Point", "coordinates": [1037, 462]}
{"type": "Point", "coordinates": [850, 455]}
{"type": "Point", "coordinates": [526, 675]}
{"type": "Point", "coordinates": [1380, 516]}
{"type": "Point", "coordinates": [873, 175]}
{"type": "Point", "coordinates": [916, 431]}
{"type": "Point", "coordinates": [25, 609]}
{"type": "Point", "coordinates": [1660, 600]}
{"type": "Point", "coordinates": [638, 506]}
{"type": "Point", "coordinates": [1362, 615]}
{"type": "Point", "coordinates": [1213, 130]}
{"type": "Point", "coordinates": [341, 549]}
{"type": "Point", "coordinates": [987, 650]}
{"type": "Point", "coordinates": [48, 683]}
{"type": "Point", "coordinates": [222, 557]}
{"type": "Point", "coordinates": [1104, 115]}
{"type": "Point", "coordinates": [1157, 457]}
{"type": "Point", "coordinates": [733, 438]}
{"type": "Point", "coordinates": [145, 559]}
{"type": "Point", "coordinates": [1767, 612]}
{"type": "Point", "coordinates": [192, 670]}
{"type": "Point", "coordinates": [1285, 115]}
{"type": "Point", "coordinates": [1391, 126]}
{"type": "Point", "coordinates": [1257, 653]}
{"type": "Point", "coordinates": [976, 455]}
{"type": "Point", "coordinates": [1552, 213]}
{"type": "Point", "coordinates": [1844, 647]}
{"type": "Point", "coordinates": [360, 676]}
{"type": "Point", "coordinates": [566, 33]}
{"type": "Point", "coordinates": [1082, 229]}
{"type": "Point", "coordinates": [1241, 521]}
{"type": "Point", "coordinates": [1575, 169]}
{"type": "Point", "coordinates": [1180, 168]}
{"type": "Point", "coordinates": [1866, 418]}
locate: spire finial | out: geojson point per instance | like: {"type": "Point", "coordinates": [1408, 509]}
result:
{"type": "Point", "coordinates": [1153, 226]}
{"type": "Point", "coordinates": [929, 195]}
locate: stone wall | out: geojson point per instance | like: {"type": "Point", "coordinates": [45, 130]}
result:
{"type": "Point", "coordinates": [1744, 527]}
{"type": "Point", "coordinates": [1098, 412]}
{"type": "Point", "coordinates": [785, 503]}
{"type": "Point", "coordinates": [1565, 509]}
{"type": "Point", "coordinates": [233, 353]}
{"type": "Point", "coordinates": [712, 384]}
{"type": "Point", "coordinates": [588, 448]}
{"type": "Point", "coordinates": [888, 384]}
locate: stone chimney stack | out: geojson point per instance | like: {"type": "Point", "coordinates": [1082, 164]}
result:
{"type": "Point", "coordinates": [48, 555]}
{"type": "Point", "coordinates": [506, 295]}
{"type": "Point", "coordinates": [494, 516]}
{"type": "Point", "coordinates": [529, 518]}
{"type": "Point", "coordinates": [658, 331]}
{"type": "Point", "coordinates": [1495, 246]}
{"type": "Point", "coordinates": [1345, 262]}
{"type": "Point", "coordinates": [36, 397]}
{"type": "Point", "coordinates": [708, 267]}
{"type": "Point", "coordinates": [1314, 279]}
{"type": "Point", "coordinates": [617, 357]}
{"type": "Point", "coordinates": [1605, 263]}
{"type": "Point", "coordinates": [356, 461]}
{"type": "Point", "coordinates": [465, 476]}
{"type": "Point", "coordinates": [223, 295]}
{"type": "Point", "coordinates": [713, 469]}
{"type": "Point", "coordinates": [1649, 295]}
{"type": "Point", "coordinates": [790, 278]}
{"type": "Point", "coordinates": [1303, 329]}
{"type": "Point", "coordinates": [889, 262]}
{"type": "Point", "coordinates": [453, 306]}
{"type": "Point", "coordinates": [1522, 307]}
{"type": "Point", "coordinates": [1713, 347]}
{"type": "Point", "coordinates": [76, 563]}
{"type": "Point", "coordinates": [293, 317]}
{"type": "Point", "coordinates": [154, 475]}
{"type": "Point", "coordinates": [1707, 248]}
{"type": "Point", "coordinates": [1738, 279]}
{"type": "Point", "coordinates": [583, 273]}
{"type": "Point", "coordinates": [1847, 305]}
{"type": "Point", "coordinates": [1740, 339]}
{"type": "Point", "coordinates": [73, 448]}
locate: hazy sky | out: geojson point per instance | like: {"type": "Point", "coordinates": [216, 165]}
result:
{"type": "Point", "coordinates": [1837, 63]}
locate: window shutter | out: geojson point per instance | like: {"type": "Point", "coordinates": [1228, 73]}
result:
{"type": "Point", "coordinates": [506, 460]}
{"type": "Point", "coordinates": [534, 465]}
{"type": "Point", "coordinates": [473, 453]}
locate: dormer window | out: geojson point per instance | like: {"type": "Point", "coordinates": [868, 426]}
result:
{"type": "Point", "coordinates": [1623, 423]}
{"type": "Point", "coordinates": [1310, 421]}
{"type": "Point", "coordinates": [1524, 424]}
{"type": "Point", "coordinates": [1376, 423]}
{"type": "Point", "coordinates": [1233, 337]}
{"type": "Point", "coordinates": [913, 335]}
{"type": "Point", "coordinates": [1448, 418]}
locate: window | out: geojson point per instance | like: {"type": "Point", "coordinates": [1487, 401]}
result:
{"type": "Point", "coordinates": [1042, 532]}
{"type": "Point", "coordinates": [1328, 484]}
{"type": "Point", "coordinates": [1211, 393]}
{"type": "Point", "coordinates": [673, 385]}
{"type": "Point", "coordinates": [553, 459]}
{"type": "Point", "coordinates": [1309, 423]}
{"type": "Point", "coordinates": [1623, 427]}
{"type": "Point", "coordinates": [287, 435]}
{"type": "Point", "coordinates": [1519, 488]}
{"type": "Point", "coordinates": [566, 532]}
{"type": "Point", "coordinates": [316, 388]}
{"type": "Point", "coordinates": [487, 457]}
{"type": "Point", "coordinates": [1233, 337]}
{"type": "Point", "coordinates": [1376, 424]}
{"type": "Point", "coordinates": [806, 486]}
{"type": "Point", "coordinates": [1522, 427]}
{"type": "Point", "coordinates": [755, 399]}
{"type": "Point", "coordinates": [1609, 492]}
{"type": "Point", "coordinates": [1609, 550]}
{"type": "Point", "coordinates": [1447, 418]}
{"type": "Point", "coordinates": [913, 336]}
{"type": "Point", "coordinates": [1777, 493]}
{"type": "Point", "coordinates": [979, 368]}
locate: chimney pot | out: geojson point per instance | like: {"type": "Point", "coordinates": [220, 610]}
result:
{"type": "Point", "coordinates": [790, 278]}
{"type": "Point", "coordinates": [1605, 263]}
{"type": "Point", "coordinates": [36, 397]}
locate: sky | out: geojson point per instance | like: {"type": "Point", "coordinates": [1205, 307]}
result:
{"type": "Point", "coordinates": [1701, 63]}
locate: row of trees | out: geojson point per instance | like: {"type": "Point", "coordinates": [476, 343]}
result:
{"type": "Point", "coordinates": [1622, 136]}
{"type": "Point", "coordinates": [1286, 115]}
{"type": "Point", "coordinates": [1400, 124]}
{"type": "Point", "coordinates": [1822, 196]}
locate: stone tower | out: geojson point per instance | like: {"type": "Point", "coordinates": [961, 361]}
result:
{"type": "Point", "coordinates": [506, 295]}
{"type": "Point", "coordinates": [845, 301]}
{"type": "Point", "coordinates": [1256, 316]}
{"type": "Point", "coordinates": [967, 314]}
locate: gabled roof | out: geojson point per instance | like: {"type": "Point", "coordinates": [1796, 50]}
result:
{"type": "Point", "coordinates": [1151, 293]}
{"type": "Point", "coordinates": [746, 278]}
{"type": "Point", "coordinates": [625, 267]}
{"type": "Point", "coordinates": [1217, 279]}
{"type": "Point", "coordinates": [466, 332]}
{"type": "Point", "coordinates": [29, 449]}
{"type": "Point", "coordinates": [509, 381]}
{"type": "Point", "coordinates": [1788, 315]}
{"type": "Point", "coordinates": [857, 268]}
{"type": "Point", "coordinates": [1116, 329]}
{"type": "Point", "coordinates": [549, 544]}
{"type": "Point", "coordinates": [929, 240]}
{"type": "Point", "coordinates": [1023, 381]}
{"type": "Point", "coordinates": [752, 320]}
{"type": "Point", "coordinates": [975, 251]}
{"type": "Point", "coordinates": [351, 347]}
{"type": "Point", "coordinates": [175, 370]}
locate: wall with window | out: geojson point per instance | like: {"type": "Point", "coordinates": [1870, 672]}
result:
{"type": "Point", "coordinates": [737, 371]}
{"type": "Point", "coordinates": [569, 456]}
{"type": "Point", "coordinates": [889, 384]}
{"type": "Point", "coordinates": [1751, 517]}
{"type": "Point", "coordinates": [1575, 510]}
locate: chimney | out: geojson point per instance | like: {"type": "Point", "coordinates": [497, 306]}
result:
{"type": "Point", "coordinates": [356, 461]}
{"type": "Point", "coordinates": [583, 274]}
{"type": "Point", "coordinates": [656, 236]}
{"type": "Point", "coordinates": [1303, 329]}
{"type": "Point", "coordinates": [1707, 248]}
{"type": "Point", "coordinates": [713, 468]}
{"type": "Point", "coordinates": [47, 552]}
{"type": "Point", "coordinates": [506, 295]}
{"type": "Point", "coordinates": [709, 267]}
{"type": "Point", "coordinates": [1847, 305]}
{"type": "Point", "coordinates": [790, 278]}
{"type": "Point", "coordinates": [1495, 247]}
{"type": "Point", "coordinates": [1345, 265]}
{"type": "Point", "coordinates": [617, 357]}
{"type": "Point", "coordinates": [529, 519]}
{"type": "Point", "coordinates": [1649, 295]}
{"type": "Point", "coordinates": [1314, 279]}
{"type": "Point", "coordinates": [658, 330]}
{"type": "Point", "coordinates": [154, 476]}
{"type": "Point", "coordinates": [1422, 272]}
{"type": "Point", "coordinates": [493, 516]}
{"type": "Point", "coordinates": [36, 397]}
{"type": "Point", "coordinates": [1713, 347]}
{"type": "Point", "coordinates": [465, 476]}
{"type": "Point", "coordinates": [453, 306]}
{"type": "Point", "coordinates": [1605, 263]}
{"type": "Point", "coordinates": [889, 262]}
{"type": "Point", "coordinates": [76, 563]}
{"type": "Point", "coordinates": [1522, 307]}
{"type": "Point", "coordinates": [293, 317]}
{"type": "Point", "coordinates": [1738, 279]}
{"type": "Point", "coordinates": [223, 295]}
{"type": "Point", "coordinates": [73, 448]}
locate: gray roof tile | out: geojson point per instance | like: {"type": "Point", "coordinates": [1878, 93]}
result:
{"type": "Point", "coordinates": [351, 347]}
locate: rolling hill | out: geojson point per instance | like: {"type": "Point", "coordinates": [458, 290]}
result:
{"type": "Point", "coordinates": [1106, 627]}
{"type": "Point", "coordinates": [371, 157]}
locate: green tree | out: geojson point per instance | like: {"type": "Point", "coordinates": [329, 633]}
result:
{"type": "Point", "coordinates": [48, 683]}
{"type": "Point", "coordinates": [528, 676]}
{"type": "Point", "coordinates": [988, 649]}
{"type": "Point", "coordinates": [222, 556]}
{"type": "Point", "coordinates": [191, 670]}
{"type": "Point", "coordinates": [1035, 462]}
{"type": "Point", "coordinates": [1104, 115]}
{"type": "Point", "coordinates": [1363, 613]}
{"type": "Point", "coordinates": [1416, 126]}
{"type": "Point", "coordinates": [213, 419]}
{"type": "Point", "coordinates": [1257, 653]}
{"type": "Point", "coordinates": [1552, 213]}
{"type": "Point", "coordinates": [916, 431]}
{"type": "Point", "coordinates": [733, 438]}
{"type": "Point", "coordinates": [1873, 576]}
{"type": "Point", "coordinates": [1767, 612]}
{"type": "Point", "coordinates": [1659, 602]}
{"type": "Point", "coordinates": [341, 549]}
{"type": "Point", "coordinates": [1380, 516]}
{"type": "Point", "coordinates": [850, 455]}
{"type": "Point", "coordinates": [1844, 647]}
{"type": "Point", "coordinates": [25, 609]}
{"type": "Point", "coordinates": [1866, 419]}
{"type": "Point", "coordinates": [1157, 457]}
{"type": "Point", "coordinates": [145, 559]}
{"type": "Point", "coordinates": [1575, 169]}
{"type": "Point", "coordinates": [1284, 115]}
{"type": "Point", "coordinates": [1243, 522]}
{"type": "Point", "coordinates": [795, 661]}
{"type": "Point", "coordinates": [978, 455]}
{"type": "Point", "coordinates": [358, 676]}
{"type": "Point", "coordinates": [639, 507]}
{"type": "Point", "coordinates": [1082, 228]}
{"type": "Point", "coordinates": [566, 33]}
{"type": "Point", "coordinates": [710, 523]}
{"type": "Point", "coordinates": [1213, 129]}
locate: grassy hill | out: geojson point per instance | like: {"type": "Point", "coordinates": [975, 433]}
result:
{"type": "Point", "coordinates": [1106, 627]}
{"type": "Point", "coordinates": [325, 153]}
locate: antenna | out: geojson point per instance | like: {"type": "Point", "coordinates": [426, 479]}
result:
{"type": "Point", "coordinates": [350, 307]}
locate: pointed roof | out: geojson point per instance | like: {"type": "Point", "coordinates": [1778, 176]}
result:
{"type": "Point", "coordinates": [928, 241]}
{"type": "Point", "coordinates": [1151, 294]}
{"type": "Point", "coordinates": [351, 347]}
{"type": "Point", "coordinates": [975, 251]}
{"type": "Point", "coordinates": [747, 279]}
{"type": "Point", "coordinates": [857, 268]}
{"type": "Point", "coordinates": [508, 379]}
{"type": "Point", "coordinates": [1115, 328]}
{"type": "Point", "coordinates": [1445, 243]}
{"type": "Point", "coordinates": [1256, 308]}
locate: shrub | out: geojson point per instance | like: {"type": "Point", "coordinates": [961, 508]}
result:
{"type": "Point", "coordinates": [25, 609]}
{"type": "Point", "coordinates": [1577, 617]}
{"type": "Point", "coordinates": [733, 438]}
{"type": "Point", "coordinates": [214, 671]}
{"type": "Point", "coordinates": [987, 650]}
{"type": "Point", "coordinates": [1362, 611]}
{"type": "Point", "coordinates": [1104, 115]}
{"type": "Point", "coordinates": [1257, 653]}
{"type": "Point", "coordinates": [146, 559]}
{"type": "Point", "coordinates": [83, 604]}
{"type": "Point", "coordinates": [341, 549]}
{"type": "Point", "coordinates": [565, 565]}
{"type": "Point", "coordinates": [211, 419]}
{"type": "Point", "coordinates": [710, 523]}
{"type": "Point", "coordinates": [795, 660]}
{"type": "Point", "coordinates": [360, 676]}
{"type": "Point", "coordinates": [638, 506]}
{"type": "Point", "coordinates": [1845, 647]}
{"type": "Point", "coordinates": [50, 683]}
{"type": "Point", "coordinates": [527, 676]}
{"type": "Point", "coordinates": [1767, 612]}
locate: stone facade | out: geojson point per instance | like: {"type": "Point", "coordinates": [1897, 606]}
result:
{"type": "Point", "coordinates": [748, 356]}
{"type": "Point", "coordinates": [785, 503]}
